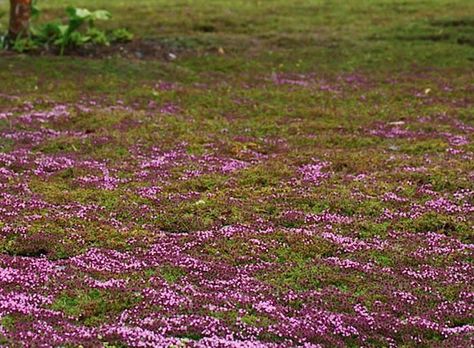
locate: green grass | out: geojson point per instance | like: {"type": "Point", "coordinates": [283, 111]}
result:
{"type": "Point", "coordinates": [263, 36]}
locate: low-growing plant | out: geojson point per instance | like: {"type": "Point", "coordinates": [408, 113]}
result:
{"type": "Point", "coordinates": [121, 35]}
{"type": "Point", "coordinates": [24, 44]}
{"type": "Point", "coordinates": [79, 30]}
{"type": "Point", "coordinates": [2, 37]}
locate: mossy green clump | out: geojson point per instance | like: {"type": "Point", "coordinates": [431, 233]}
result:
{"type": "Point", "coordinates": [171, 274]}
{"type": "Point", "coordinates": [93, 307]}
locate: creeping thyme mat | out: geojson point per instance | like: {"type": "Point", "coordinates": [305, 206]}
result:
{"type": "Point", "coordinates": [273, 185]}
{"type": "Point", "coordinates": [246, 241]}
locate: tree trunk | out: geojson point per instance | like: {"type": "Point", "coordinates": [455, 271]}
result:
{"type": "Point", "coordinates": [20, 13]}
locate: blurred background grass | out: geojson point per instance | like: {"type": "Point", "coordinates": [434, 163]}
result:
{"type": "Point", "coordinates": [273, 35]}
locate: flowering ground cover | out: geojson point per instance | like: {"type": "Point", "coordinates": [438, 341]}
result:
{"type": "Point", "coordinates": [270, 181]}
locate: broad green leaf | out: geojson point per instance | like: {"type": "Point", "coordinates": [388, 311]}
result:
{"type": "Point", "coordinates": [63, 29]}
{"type": "Point", "coordinates": [78, 13]}
{"type": "Point", "coordinates": [101, 15]}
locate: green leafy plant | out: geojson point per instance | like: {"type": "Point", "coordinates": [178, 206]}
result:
{"type": "Point", "coordinates": [23, 44]}
{"type": "Point", "coordinates": [69, 35]}
{"type": "Point", "coordinates": [2, 37]}
{"type": "Point", "coordinates": [80, 29]}
{"type": "Point", "coordinates": [121, 35]}
{"type": "Point", "coordinates": [35, 10]}
{"type": "Point", "coordinates": [97, 37]}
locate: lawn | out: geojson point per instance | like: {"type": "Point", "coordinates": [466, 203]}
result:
{"type": "Point", "coordinates": [275, 173]}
